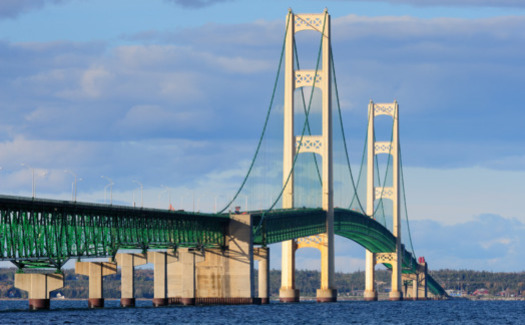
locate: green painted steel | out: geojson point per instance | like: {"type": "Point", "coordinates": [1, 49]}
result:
{"type": "Point", "coordinates": [46, 233]}
{"type": "Point", "coordinates": [280, 225]}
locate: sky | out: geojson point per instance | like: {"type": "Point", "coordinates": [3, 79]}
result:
{"type": "Point", "coordinates": [172, 94]}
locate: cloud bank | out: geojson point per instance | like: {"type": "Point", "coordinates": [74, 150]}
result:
{"type": "Point", "coordinates": [13, 8]}
{"type": "Point", "coordinates": [458, 3]}
{"type": "Point", "coordinates": [196, 3]}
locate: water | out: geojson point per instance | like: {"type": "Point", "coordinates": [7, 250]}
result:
{"type": "Point", "coordinates": [350, 312]}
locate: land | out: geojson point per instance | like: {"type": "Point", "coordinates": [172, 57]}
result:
{"type": "Point", "coordinates": [462, 283]}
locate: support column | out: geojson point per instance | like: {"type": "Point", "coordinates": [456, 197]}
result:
{"type": "Point", "coordinates": [395, 293]}
{"type": "Point", "coordinates": [415, 287]}
{"type": "Point", "coordinates": [370, 293]}
{"type": "Point", "coordinates": [160, 262]}
{"type": "Point", "coordinates": [38, 286]}
{"type": "Point", "coordinates": [410, 293]}
{"type": "Point", "coordinates": [189, 260]}
{"type": "Point", "coordinates": [327, 292]}
{"type": "Point", "coordinates": [240, 259]}
{"type": "Point", "coordinates": [95, 271]}
{"type": "Point", "coordinates": [262, 254]}
{"type": "Point", "coordinates": [127, 262]}
{"type": "Point", "coordinates": [182, 279]}
{"type": "Point", "coordinates": [287, 292]}
{"type": "Point", "coordinates": [422, 287]}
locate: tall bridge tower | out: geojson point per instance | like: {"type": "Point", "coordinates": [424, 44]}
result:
{"type": "Point", "coordinates": [392, 193]}
{"type": "Point", "coordinates": [294, 79]}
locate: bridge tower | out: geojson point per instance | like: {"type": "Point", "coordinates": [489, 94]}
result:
{"type": "Point", "coordinates": [295, 79]}
{"type": "Point", "coordinates": [392, 193]}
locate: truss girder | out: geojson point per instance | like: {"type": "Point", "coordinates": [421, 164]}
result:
{"type": "Point", "coordinates": [38, 232]}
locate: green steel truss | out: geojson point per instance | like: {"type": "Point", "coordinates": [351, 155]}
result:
{"type": "Point", "coordinates": [281, 225]}
{"type": "Point", "coordinates": [46, 233]}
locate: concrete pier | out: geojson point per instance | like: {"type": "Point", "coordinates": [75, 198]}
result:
{"type": "Point", "coordinates": [226, 276]}
{"type": "Point", "coordinates": [96, 271]}
{"type": "Point", "coordinates": [288, 292]}
{"type": "Point", "coordinates": [370, 293]}
{"type": "Point", "coordinates": [262, 254]}
{"type": "Point", "coordinates": [214, 275]}
{"type": "Point", "coordinates": [422, 279]}
{"type": "Point", "coordinates": [127, 262]}
{"type": "Point", "coordinates": [182, 276]}
{"type": "Point", "coordinates": [38, 286]}
{"type": "Point", "coordinates": [160, 261]}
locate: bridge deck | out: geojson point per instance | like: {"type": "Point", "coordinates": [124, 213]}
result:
{"type": "Point", "coordinates": [46, 233]}
{"type": "Point", "coordinates": [35, 232]}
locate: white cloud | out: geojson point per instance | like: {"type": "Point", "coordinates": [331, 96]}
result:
{"type": "Point", "coordinates": [486, 242]}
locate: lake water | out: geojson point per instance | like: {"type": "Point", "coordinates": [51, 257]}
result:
{"type": "Point", "coordinates": [346, 312]}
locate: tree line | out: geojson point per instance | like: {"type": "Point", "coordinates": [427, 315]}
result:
{"type": "Point", "coordinates": [347, 284]}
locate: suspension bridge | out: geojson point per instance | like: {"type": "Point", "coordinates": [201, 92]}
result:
{"type": "Point", "coordinates": [209, 257]}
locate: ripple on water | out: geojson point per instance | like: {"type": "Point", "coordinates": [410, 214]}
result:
{"type": "Point", "coordinates": [354, 312]}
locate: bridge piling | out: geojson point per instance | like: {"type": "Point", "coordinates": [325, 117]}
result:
{"type": "Point", "coordinates": [407, 281]}
{"type": "Point", "coordinates": [262, 254]}
{"type": "Point", "coordinates": [38, 286]}
{"type": "Point", "coordinates": [181, 276]}
{"type": "Point", "coordinates": [127, 262]}
{"type": "Point", "coordinates": [288, 292]}
{"type": "Point", "coordinates": [95, 271]}
{"type": "Point", "coordinates": [370, 293]}
{"type": "Point", "coordinates": [422, 280]}
{"type": "Point", "coordinates": [160, 261]}
{"type": "Point", "coordinates": [226, 276]}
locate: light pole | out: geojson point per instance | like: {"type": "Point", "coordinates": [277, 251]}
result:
{"type": "Point", "coordinates": [110, 184]}
{"type": "Point", "coordinates": [74, 189]}
{"type": "Point", "coordinates": [141, 193]}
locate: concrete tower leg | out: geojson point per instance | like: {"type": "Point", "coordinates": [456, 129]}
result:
{"type": "Point", "coordinates": [127, 262]}
{"type": "Point", "coordinates": [370, 293]}
{"type": "Point", "coordinates": [326, 293]}
{"type": "Point", "coordinates": [287, 292]}
{"type": "Point", "coordinates": [262, 254]}
{"type": "Point", "coordinates": [395, 292]}
{"type": "Point", "coordinates": [95, 271]}
{"type": "Point", "coordinates": [38, 286]}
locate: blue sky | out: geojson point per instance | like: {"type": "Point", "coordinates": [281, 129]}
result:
{"type": "Point", "coordinates": [159, 92]}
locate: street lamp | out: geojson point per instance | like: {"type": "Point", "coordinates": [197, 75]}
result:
{"type": "Point", "coordinates": [110, 184]}
{"type": "Point", "coordinates": [74, 187]}
{"type": "Point", "coordinates": [141, 193]}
